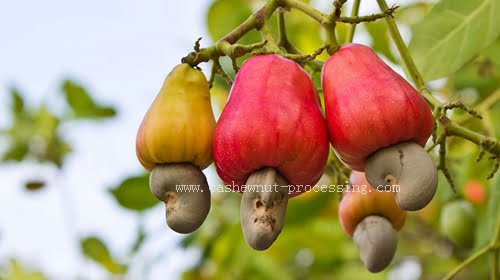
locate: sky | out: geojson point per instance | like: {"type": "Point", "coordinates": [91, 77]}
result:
{"type": "Point", "coordinates": [120, 51]}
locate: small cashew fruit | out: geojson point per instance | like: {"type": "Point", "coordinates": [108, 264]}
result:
{"type": "Point", "coordinates": [271, 134]}
{"type": "Point", "coordinates": [458, 223]}
{"type": "Point", "coordinates": [378, 123]}
{"type": "Point", "coordinates": [372, 218]}
{"type": "Point", "coordinates": [475, 192]}
{"type": "Point", "coordinates": [174, 142]}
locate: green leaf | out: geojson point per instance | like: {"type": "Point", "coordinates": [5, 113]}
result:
{"type": "Point", "coordinates": [303, 31]}
{"type": "Point", "coordinates": [82, 104]}
{"type": "Point", "coordinates": [95, 249]}
{"type": "Point", "coordinates": [380, 38]}
{"type": "Point", "coordinates": [480, 74]}
{"type": "Point", "coordinates": [16, 271]}
{"type": "Point", "coordinates": [139, 240]}
{"type": "Point", "coordinates": [493, 52]}
{"type": "Point", "coordinates": [16, 152]}
{"type": "Point", "coordinates": [133, 193]}
{"type": "Point", "coordinates": [78, 99]}
{"type": "Point", "coordinates": [17, 105]}
{"type": "Point", "coordinates": [487, 224]}
{"type": "Point", "coordinates": [452, 34]}
{"type": "Point", "coordinates": [34, 185]}
{"type": "Point", "coordinates": [225, 15]}
{"type": "Point", "coordinates": [105, 112]}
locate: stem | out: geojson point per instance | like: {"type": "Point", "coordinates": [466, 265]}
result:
{"type": "Point", "coordinates": [352, 27]}
{"type": "Point", "coordinates": [331, 38]}
{"type": "Point", "coordinates": [490, 144]}
{"type": "Point", "coordinates": [327, 21]}
{"type": "Point", "coordinates": [493, 246]}
{"type": "Point", "coordinates": [332, 44]}
{"type": "Point", "coordinates": [496, 246]}
{"type": "Point", "coordinates": [306, 9]}
{"type": "Point", "coordinates": [254, 21]}
{"type": "Point", "coordinates": [405, 54]}
{"type": "Point", "coordinates": [408, 61]}
{"type": "Point", "coordinates": [486, 104]}
{"type": "Point", "coordinates": [494, 264]}
{"type": "Point", "coordinates": [465, 263]}
{"type": "Point", "coordinates": [369, 18]}
{"type": "Point", "coordinates": [283, 40]}
{"type": "Point", "coordinates": [268, 36]}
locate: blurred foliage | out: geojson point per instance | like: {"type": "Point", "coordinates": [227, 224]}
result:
{"type": "Point", "coordinates": [133, 193]}
{"type": "Point", "coordinates": [35, 133]}
{"type": "Point", "coordinates": [81, 103]}
{"type": "Point", "coordinates": [312, 244]}
{"type": "Point", "coordinates": [95, 249]}
{"type": "Point", "coordinates": [463, 30]}
{"type": "Point", "coordinates": [16, 271]}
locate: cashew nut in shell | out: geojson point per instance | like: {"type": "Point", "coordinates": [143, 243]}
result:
{"type": "Point", "coordinates": [409, 166]}
{"type": "Point", "coordinates": [186, 208]}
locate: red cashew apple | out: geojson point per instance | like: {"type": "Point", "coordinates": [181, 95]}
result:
{"type": "Point", "coordinates": [174, 142]}
{"type": "Point", "coordinates": [371, 217]}
{"type": "Point", "coordinates": [378, 123]}
{"type": "Point", "coordinates": [271, 134]}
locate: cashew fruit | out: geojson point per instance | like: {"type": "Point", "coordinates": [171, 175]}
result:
{"type": "Point", "coordinates": [179, 125]}
{"type": "Point", "coordinates": [272, 119]}
{"type": "Point", "coordinates": [372, 218]}
{"type": "Point", "coordinates": [174, 142]}
{"type": "Point", "coordinates": [271, 131]}
{"type": "Point", "coordinates": [458, 222]}
{"type": "Point", "coordinates": [378, 123]}
{"type": "Point", "coordinates": [357, 204]}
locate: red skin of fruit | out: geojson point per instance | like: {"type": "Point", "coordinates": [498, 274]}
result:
{"type": "Point", "coordinates": [474, 192]}
{"type": "Point", "coordinates": [357, 205]}
{"type": "Point", "coordinates": [272, 119]}
{"type": "Point", "coordinates": [369, 106]}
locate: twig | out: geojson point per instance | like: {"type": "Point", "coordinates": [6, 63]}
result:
{"type": "Point", "coordinates": [359, 19]}
{"type": "Point", "coordinates": [352, 27]}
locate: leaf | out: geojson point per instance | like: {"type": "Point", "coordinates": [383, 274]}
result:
{"type": "Point", "coordinates": [16, 271]}
{"type": "Point", "coordinates": [380, 38]}
{"type": "Point", "coordinates": [17, 105]}
{"type": "Point", "coordinates": [141, 237]}
{"type": "Point", "coordinates": [105, 112]}
{"type": "Point", "coordinates": [493, 52]}
{"type": "Point", "coordinates": [96, 250]}
{"type": "Point", "coordinates": [16, 152]}
{"type": "Point", "coordinates": [452, 34]}
{"type": "Point", "coordinates": [487, 224]}
{"type": "Point", "coordinates": [82, 104]}
{"type": "Point", "coordinates": [303, 32]}
{"type": "Point", "coordinates": [225, 15]}
{"type": "Point", "coordinates": [78, 98]}
{"type": "Point", "coordinates": [133, 193]}
{"type": "Point", "coordinates": [34, 185]}
{"type": "Point", "coordinates": [482, 76]}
